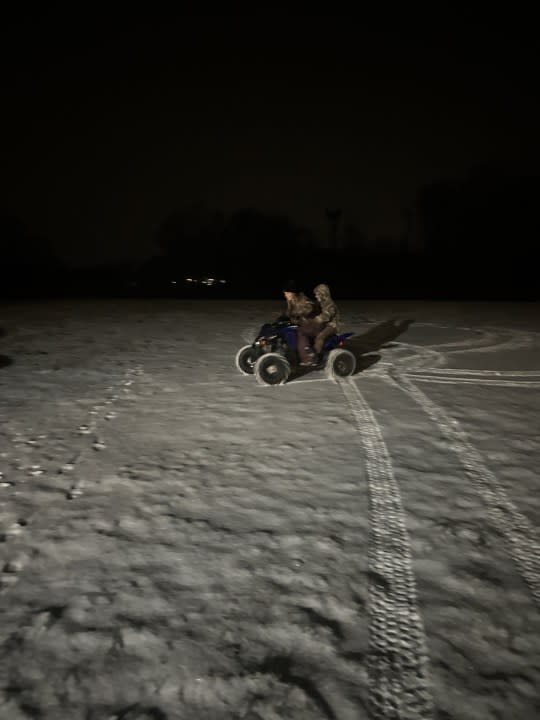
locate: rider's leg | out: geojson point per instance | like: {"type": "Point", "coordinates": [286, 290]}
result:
{"type": "Point", "coordinates": [306, 332]}
{"type": "Point", "coordinates": [326, 332]}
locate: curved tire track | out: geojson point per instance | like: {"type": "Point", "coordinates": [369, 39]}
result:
{"type": "Point", "coordinates": [522, 539]}
{"type": "Point", "coordinates": [461, 380]}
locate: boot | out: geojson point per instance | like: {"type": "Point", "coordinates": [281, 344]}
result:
{"type": "Point", "coordinates": [309, 358]}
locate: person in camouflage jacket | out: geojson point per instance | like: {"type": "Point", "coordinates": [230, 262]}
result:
{"type": "Point", "coordinates": [325, 323]}
{"type": "Point", "coordinates": [329, 317]}
{"type": "Point", "coordinates": [299, 306]}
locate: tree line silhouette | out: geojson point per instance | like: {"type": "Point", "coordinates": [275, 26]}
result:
{"type": "Point", "coordinates": [474, 237]}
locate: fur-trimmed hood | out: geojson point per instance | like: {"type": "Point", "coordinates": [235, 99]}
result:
{"type": "Point", "coordinates": [329, 314]}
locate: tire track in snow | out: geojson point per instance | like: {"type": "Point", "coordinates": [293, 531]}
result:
{"type": "Point", "coordinates": [490, 339]}
{"type": "Point", "coordinates": [482, 339]}
{"type": "Point", "coordinates": [467, 373]}
{"type": "Point", "coordinates": [420, 358]}
{"type": "Point", "coordinates": [522, 539]}
{"type": "Point", "coordinates": [437, 354]}
{"type": "Point", "coordinates": [516, 341]}
{"type": "Point", "coordinates": [460, 380]}
{"type": "Point", "coordinates": [397, 661]}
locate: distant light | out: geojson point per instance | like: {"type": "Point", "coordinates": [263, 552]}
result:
{"type": "Point", "coordinates": [189, 279]}
{"type": "Point", "coordinates": [222, 281]}
{"type": "Point", "coordinates": [173, 282]}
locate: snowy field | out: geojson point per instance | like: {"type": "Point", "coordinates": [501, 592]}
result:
{"type": "Point", "coordinates": [180, 543]}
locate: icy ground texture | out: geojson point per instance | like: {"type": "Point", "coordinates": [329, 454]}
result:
{"type": "Point", "coordinates": [181, 543]}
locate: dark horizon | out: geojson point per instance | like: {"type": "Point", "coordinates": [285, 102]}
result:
{"type": "Point", "coordinates": [114, 127]}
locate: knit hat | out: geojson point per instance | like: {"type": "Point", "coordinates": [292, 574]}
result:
{"type": "Point", "coordinates": [290, 286]}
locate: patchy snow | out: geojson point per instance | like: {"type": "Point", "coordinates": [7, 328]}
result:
{"type": "Point", "coordinates": [179, 542]}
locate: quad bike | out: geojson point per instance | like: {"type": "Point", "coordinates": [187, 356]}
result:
{"type": "Point", "coordinates": [273, 357]}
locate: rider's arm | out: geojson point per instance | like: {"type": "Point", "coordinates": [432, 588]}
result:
{"type": "Point", "coordinates": [328, 313]}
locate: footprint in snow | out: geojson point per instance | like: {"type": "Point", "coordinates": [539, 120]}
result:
{"type": "Point", "coordinates": [14, 530]}
{"type": "Point", "coordinates": [75, 491]}
{"type": "Point", "coordinates": [4, 482]}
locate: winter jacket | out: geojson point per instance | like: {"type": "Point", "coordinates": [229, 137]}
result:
{"type": "Point", "coordinates": [299, 308]}
{"type": "Point", "coordinates": [329, 314]}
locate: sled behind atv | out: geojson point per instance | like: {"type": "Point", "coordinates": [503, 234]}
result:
{"type": "Point", "coordinates": [273, 357]}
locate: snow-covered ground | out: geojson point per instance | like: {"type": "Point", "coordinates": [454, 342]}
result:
{"type": "Point", "coordinates": [179, 542]}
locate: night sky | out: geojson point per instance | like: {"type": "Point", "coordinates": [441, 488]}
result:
{"type": "Point", "coordinates": [114, 123]}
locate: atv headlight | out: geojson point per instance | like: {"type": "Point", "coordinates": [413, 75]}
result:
{"type": "Point", "coordinates": [261, 342]}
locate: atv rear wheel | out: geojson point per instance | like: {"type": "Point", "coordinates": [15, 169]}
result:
{"type": "Point", "coordinates": [245, 359]}
{"type": "Point", "coordinates": [341, 363]}
{"type": "Point", "coordinates": [272, 369]}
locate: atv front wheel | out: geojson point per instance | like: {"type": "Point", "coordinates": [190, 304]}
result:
{"type": "Point", "coordinates": [340, 364]}
{"type": "Point", "coordinates": [272, 369]}
{"type": "Point", "coordinates": [245, 359]}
